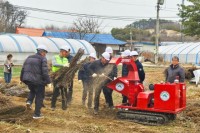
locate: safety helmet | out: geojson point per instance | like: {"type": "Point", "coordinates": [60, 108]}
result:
{"type": "Point", "coordinates": [64, 47]}
{"type": "Point", "coordinates": [109, 50]}
{"type": "Point", "coordinates": [134, 53]}
{"type": "Point", "coordinates": [93, 55]}
{"type": "Point", "coordinates": [42, 47]}
{"type": "Point", "coordinates": [106, 55]}
{"type": "Point", "coordinates": [126, 53]}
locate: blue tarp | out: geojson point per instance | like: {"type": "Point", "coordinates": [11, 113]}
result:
{"type": "Point", "coordinates": [92, 38]}
{"type": "Point", "coordinates": [146, 43]}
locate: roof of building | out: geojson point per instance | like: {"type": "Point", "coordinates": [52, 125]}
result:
{"type": "Point", "coordinates": [92, 38]}
{"type": "Point", "coordinates": [30, 31]}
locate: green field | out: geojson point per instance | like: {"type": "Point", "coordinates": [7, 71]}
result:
{"type": "Point", "coordinates": [16, 71]}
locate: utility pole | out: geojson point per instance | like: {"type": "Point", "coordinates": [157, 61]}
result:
{"type": "Point", "coordinates": [131, 37]}
{"type": "Point", "coordinates": [183, 1]}
{"type": "Point", "coordinates": [159, 2]}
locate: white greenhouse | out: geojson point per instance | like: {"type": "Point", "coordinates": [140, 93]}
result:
{"type": "Point", "coordinates": [21, 46]}
{"type": "Point", "coordinates": [187, 52]}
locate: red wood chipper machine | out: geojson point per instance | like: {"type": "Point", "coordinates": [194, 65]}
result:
{"type": "Point", "coordinates": [154, 107]}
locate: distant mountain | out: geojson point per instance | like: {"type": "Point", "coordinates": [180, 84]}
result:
{"type": "Point", "coordinates": [151, 24]}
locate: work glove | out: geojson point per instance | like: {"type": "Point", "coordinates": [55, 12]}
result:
{"type": "Point", "coordinates": [102, 75]}
{"type": "Point", "coordinates": [79, 81]}
{"type": "Point", "coordinates": [66, 65]}
{"type": "Point", "coordinates": [49, 85]}
{"type": "Point", "coordinates": [115, 78]}
{"type": "Point", "coordinates": [94, 75]}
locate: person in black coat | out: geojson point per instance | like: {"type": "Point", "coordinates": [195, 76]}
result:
{"type": "Point", "coordinates": [34, 73]}
{"type": "Point", "coordinates": [99, 71]}
{"type": "Point", "coordinates": [83, 75]}
{"type": "Point", "coordinates": [112, 75]}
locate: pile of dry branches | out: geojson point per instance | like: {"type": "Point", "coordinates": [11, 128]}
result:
{"type": "Point", "coordinates": [65, 75]}
{"type": "Point", "coordinates": [9, 111]}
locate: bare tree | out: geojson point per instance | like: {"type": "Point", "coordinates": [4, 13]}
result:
{"type": "Point", "coordinates": [86, 25]}
{"type": "Point", "coordinates": [52, 27]}
{"type": "Point", "coordinates": [10, 17]}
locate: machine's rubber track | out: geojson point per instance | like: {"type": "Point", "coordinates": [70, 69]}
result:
{"type": "Point", "coordinates": [146, 118]}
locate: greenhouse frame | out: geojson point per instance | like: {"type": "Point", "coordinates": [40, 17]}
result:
{"type": "Point", "coordinates": [21, 46]}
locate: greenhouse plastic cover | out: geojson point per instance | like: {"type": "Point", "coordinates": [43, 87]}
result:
{"type": "Point", "coordinates": [21, 46]}
{"type": "Point", "coordinates": [187, 52]}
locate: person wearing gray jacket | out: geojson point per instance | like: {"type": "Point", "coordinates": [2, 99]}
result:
{"type": "Point", "coordinates": [175, 71]}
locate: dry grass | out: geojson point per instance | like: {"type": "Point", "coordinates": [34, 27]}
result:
{"type": "Point", "coordinates": [78, 119]}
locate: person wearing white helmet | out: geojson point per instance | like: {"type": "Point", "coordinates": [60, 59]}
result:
{"type": "Point", "coordinates": [83, 76]}
{"type": "Point", "coordinates": [35, 74]}
{"type": "Point", "coordinates": [141, 73]}
{"type": "Point", "coordinates": [59, 61]}
{"type": "Point", "coordinates": [98, 70]}
{"type": "Point", "coordinates": [112, 75]}
{"type": "Point", "coordinates": [92, 57]}
{"type": "Point", "coordinates": [42, 48]}
{"type": "Point", "coordinates": [125, 54]}
{"type": "Point", "coordinates": [109, 50]}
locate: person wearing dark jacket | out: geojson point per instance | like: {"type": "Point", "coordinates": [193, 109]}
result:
{"type": "Point", "coordinates": [83, 75]}
{"type": "Point", "coordinates": [125, 54]}
{"type": "Point", "coordinates": [175, 71]}
{"type": "Point", "coordinates": [141, 73]}
{"type": "Point", "coordinates": [34, 73]}
{"type": "Point", "coordinates": [70, 89]}
{"type": "Point", "coordinates": [112, 75]}
{"type": "Point", "coordinates": [98, 70]}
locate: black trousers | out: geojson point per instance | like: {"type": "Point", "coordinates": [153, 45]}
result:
{"type": "Point", "coordinates": [108, 96]}
{"type": "Point", "coordinates": [56, 93]}
{"type": "Point", "coordinates": [124, 99]}
{"type": "Point", "coordinates": [97, 97]}
{"type": "Point", "coordinates": [70, 92]}
{"type": "Point", "coordinates": [37, 92]}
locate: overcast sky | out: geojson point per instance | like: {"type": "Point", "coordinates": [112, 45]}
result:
{"type": "Point", "coordinates": [136, 9]}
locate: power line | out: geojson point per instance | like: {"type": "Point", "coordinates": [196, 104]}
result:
{"type": "Point", "coordinates": [130, 4]}
{"type": "Point", "coordinates": [122, 18]}
{"type": "Point", "coordinates": [123, 3]}
{"type": "Point", "coordinates": [60, 21]}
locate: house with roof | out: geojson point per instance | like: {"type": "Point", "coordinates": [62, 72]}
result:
{"type": "Point", "coordinates": [30, 31]}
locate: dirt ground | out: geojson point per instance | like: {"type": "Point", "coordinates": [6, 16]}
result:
{"type": "Point", "coordinates": [78, 119]}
